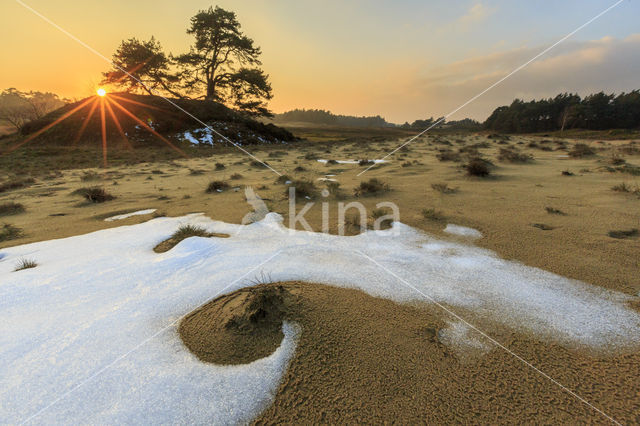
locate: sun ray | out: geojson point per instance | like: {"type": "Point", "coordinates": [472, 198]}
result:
{"type": "Point", "coordinates": [104, 133]}
{"type": "Point", "coordinates": [85, 123]}
{"type": "Point", "coordinates": [118, 126]}
{"type": "Point", "coordinates": [131, 101]}
{"type": "Point", "coordinates": [50, 125]}
{"type": "Point", "coordinates": [148, 128]}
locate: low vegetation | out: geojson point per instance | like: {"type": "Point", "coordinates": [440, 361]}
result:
{"type": "Point", "coordinates": [513, 156]}
{"type": "Point", "coordinates": [94, 194]}
{"type": "Point", "coordinates": [25, 264]}
{"type": "Point", "coordinates": [16, 183]}
{"type": "Point", "coordinates": [620, 234]}
{"type": "Point", "coordinates": [552, 210]}
{"type": "Point", "coordinates": [9, 232]}
{"type": "Point", "coordinates": [302, 188]}
{"type": "Point", "coordinates": [443, 188]}
{"type": "Point", "coordinates": [216, 186]}
{"type": "Point", "coordinates": [581, 150]}
{"type": "Point", "coordinates": [184, 232]}
{"type": "Point", "coordinates": [371, 187]}
{"type": "Point", "coordinates": [477, 167]}
{"type": "Point", "coordinates": [433, 214]}
{"type": "Point", "coordinates": [11, 208]}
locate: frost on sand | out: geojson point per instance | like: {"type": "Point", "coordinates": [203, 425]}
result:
{"type": "Point", "coordinates": [90, 335]}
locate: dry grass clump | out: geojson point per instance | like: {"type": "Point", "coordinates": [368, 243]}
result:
{"type": "Point", "coordinates": [371, 187]}
{"type": "Point", "coordinates": [182, 233]}
{"type": "Point", "coordinates": [10, 208]}
{"type": "Point", "coordinates": [581, 150]}
{"type": "Point", "coordinates": [299, 169]}
{"type": "Point", "coordinates": [543, 226]}
{"type": "Point", "coordinates": [196, 172]}
{"type": "Point", "coordinates": [552, 210]}
{"type": "Point", "coordinates": [220, 166]}
{"type": "Point", "coordinates": [302, 188]}
{"type": "Point", "coordinates": [620, 234]}
{"type": "Point", "coordinates": [94, 194]}
{"type": "Point", "coordinates": [433, 214]}
{"type": "Point", "coordinates": [89, 176]}
{"type": "Point", "coordinates": [477, 167]}
{"type": "Point", "coordinates": [236, 176]}
{"type": "Point", "coordinates": [365, 162]}
{"type": "Point", "coordinates": [282, 179]}
{"type": "Point", "coordinates": [25, 264]}
{"type": "Point", "coordinates": [443, 188]}
{"type": "Point", "coordinates": [216, 186]}
{"type": "Point", "coordinates": [331, 162]}
{"type": "Point", "coordinates": [16, 183]}
{"type": "Point", "coordinates": [448, 155]}
{"type": "Point", "coordinates": [623, 187]}
{"type": "Point", "coordinates": [512, 156]}
{"type": "Point", "coordinates": [9, 232]}
{"type": "Point", "coordinates": [259, 164]}
{"type": "Point", "coordinates": [567, 173]}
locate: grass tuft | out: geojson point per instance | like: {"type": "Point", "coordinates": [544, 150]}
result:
{"type": "Point", "coordinates": [94, 194]}
{"type": "Point", "coordinates": [371, 187]}
{"type": "Point", "coordinates": [10, 208]}
{"type": "Point", "coordinates": [216, 186]}
{"type": "Point", "coordinates": [9, 232]}
{"type": "Point", "coordinates": [477, 167]}
{"type": "Point", "coordinates": [25, 264]}
{"type": "Point", "coordinates": [620, 234]}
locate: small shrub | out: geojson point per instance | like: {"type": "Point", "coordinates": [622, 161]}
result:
{"type": "Point", "coordinates": [443, 188]}
{"type": "Point", "coordinates": [9, 232]}
{"type": "Point", "coordinates": [623, 233]}
{"type": "Point", "coordinates": [433, 214]}
{"type": "Point", "coordinates": [25, 264]}
{"type": "Point", "coordinates": [623, 187]}
{"type": "Point", "coordinates": [195, 172]}
{"type": "Point", "coordinates": [220, 166]}
{"type": "Point", "coordinates": [283, 179]}
{"type": "Point", "coordinates": [567, 173]}
{"type": "Point", "coordinates": [371, 187]}
{"type": "Point", "coordinates": [513, 156]}
{"type": "Point", "coordinates": [331, 162]}
{"type": "Point", "coordinates": [10, 208]}
{"type": "Point", "coordinates": [94, 194]}
{"type": "Point", "coordinates": [236, 176]}
{"type": "Point", "coordinates": [16, 184]}
{"type": "Point", "coordinates": [477, 167]}
{"type": "Point", "coordinates": [448, 155]}
{"type": "Point", "coordinates": [407, 164]}
{"type": "Point", "coordinates": [310, 156]}
{"type": "Point", "coordinates": [299, 169]}
{"type": "Point", "coordinates": [365, 162]}
{"type": "Point", "coordinates": [216, 186]}
{"type": "Point", "coordinates": [157, 172]}
{"type": "Point", "coordinates": [581, 150]}
{"type": "Point", "coordinates": [302, 188]}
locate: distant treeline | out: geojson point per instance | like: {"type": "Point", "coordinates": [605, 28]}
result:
{"type": "Point", "coordinates": [320, 116]}
{"type": "Point", "coordinates": [464, 124]}
{"type": "Point", "coordinates": [599, 111]}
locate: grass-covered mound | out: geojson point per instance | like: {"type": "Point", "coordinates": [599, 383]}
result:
{"type": "Point", "coordinates": [163, 117]}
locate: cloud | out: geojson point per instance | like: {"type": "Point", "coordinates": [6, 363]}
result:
{"type": "Point", "coordinates": [476, 13]}
{"type": "Point", "coordinates": [607, 64]}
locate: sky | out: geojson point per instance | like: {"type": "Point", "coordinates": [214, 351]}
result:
{"type": "Point", "coordinates": [403, 60]}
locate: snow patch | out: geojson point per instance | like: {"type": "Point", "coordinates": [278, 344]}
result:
{"type": "Point", "coordinates": [97, 296]}
{"type": "Point", "coordinates": [127, 215]}
{"type": "Point", "coordinates": [462, 231]}
{"type": "Point", "coordinates": [351, 161]}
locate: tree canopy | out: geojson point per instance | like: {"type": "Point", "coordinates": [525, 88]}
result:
{"type": "Point", "coordinates": [222, 65]}
{"type": "Point", "coordinates": [598, 111]}
{"type": "Point", "coordinates": [18, 108]}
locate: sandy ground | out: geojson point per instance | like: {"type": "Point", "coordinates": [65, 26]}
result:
{"type": "Point", "coordinates": [367, 359]}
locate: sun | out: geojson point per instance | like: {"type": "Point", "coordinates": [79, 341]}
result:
{"type": "Point", "coordinates": [101, 92]}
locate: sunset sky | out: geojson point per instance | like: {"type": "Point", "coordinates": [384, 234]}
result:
{"type": "Point", "coordinates": [403, 60]}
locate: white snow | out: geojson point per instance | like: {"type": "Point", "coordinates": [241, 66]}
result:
{"type": "Point", "coordinates": [462, 231]}
{"type": "Point", "coordinates": [127, 215]}
{"type": "Point", "coordinates": [96, 297]}
{"type": "Point", "coordinates": [198, 136]}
